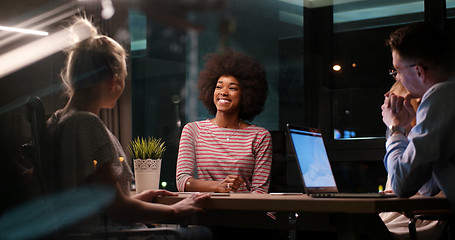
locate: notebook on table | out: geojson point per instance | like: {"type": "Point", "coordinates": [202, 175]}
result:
{"type": "Point", "coordinates": [314, 166]}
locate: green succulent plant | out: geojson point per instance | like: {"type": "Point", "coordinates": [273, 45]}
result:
{"type": "Point", "coordinates": [144, 148]}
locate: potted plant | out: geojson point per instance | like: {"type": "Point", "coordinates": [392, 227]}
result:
{"type": "Point", "coordinates": [147, 155]}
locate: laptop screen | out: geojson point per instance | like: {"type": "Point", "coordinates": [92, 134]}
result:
{"type": "Point", "coordinates": [312, 159]}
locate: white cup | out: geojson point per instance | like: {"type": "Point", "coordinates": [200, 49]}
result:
{"type": "Point", "coordinates": [147, 174]}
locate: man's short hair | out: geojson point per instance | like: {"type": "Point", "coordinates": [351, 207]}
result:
{"type": "Point", "coordinates": [430, 45]}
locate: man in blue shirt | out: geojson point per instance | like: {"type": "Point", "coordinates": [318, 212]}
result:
{"type": "Point", "coordinates": [423, 60]}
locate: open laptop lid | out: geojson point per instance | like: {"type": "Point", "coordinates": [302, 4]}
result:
{"type": "Point", "coordinates": [313, 162]}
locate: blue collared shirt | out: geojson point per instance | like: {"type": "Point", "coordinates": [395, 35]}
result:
{"type": "Point", "coordinates": [427, 155]}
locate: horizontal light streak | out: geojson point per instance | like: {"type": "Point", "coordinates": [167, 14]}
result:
{"type": "Point", "coordinates": [22, 30]}
{"type": "Point", "coordinates": [42, 24]}
{"type": "Point", "coordinates": [31, 22]}
{"type": "Point", "coordinates": [25, 55]}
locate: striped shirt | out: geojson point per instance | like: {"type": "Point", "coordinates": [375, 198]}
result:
{"type": "Point", "coordinates": [205, 146]}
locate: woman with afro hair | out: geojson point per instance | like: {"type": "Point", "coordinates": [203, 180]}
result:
{"type": "Point", "coordinates": [226, 153]}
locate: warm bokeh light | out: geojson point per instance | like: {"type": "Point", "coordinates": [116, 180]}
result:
{"type": "Point", "coordinates": [108, 9]}
{"type": "Point", "coordinates": [336, 67]}
{"type": "Point", "coordinates": [354, 65]}
{"type": "Point", "coordinates": [121, 159]}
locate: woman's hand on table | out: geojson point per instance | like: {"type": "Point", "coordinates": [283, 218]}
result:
{"type": "Point", "coordinates": [231, 184]}
{"type": "Point", "coordinates": [190, 205]}
{"type": "Point", "coordinates": [150, 195]}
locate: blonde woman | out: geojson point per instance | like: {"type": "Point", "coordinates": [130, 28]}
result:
{"type": "Point", "coordinates": [86, 151]}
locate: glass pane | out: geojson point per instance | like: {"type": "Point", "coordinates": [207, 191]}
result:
{"type": "Point", "coordinates": [165, 73]}
{"type": "Point", "coordinates": [450, 6]}
{"type": "Point", "coordinates": [363, 60]}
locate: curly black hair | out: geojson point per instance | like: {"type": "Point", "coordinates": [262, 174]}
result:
{"type": "Point", "coordinates": [246, 69]}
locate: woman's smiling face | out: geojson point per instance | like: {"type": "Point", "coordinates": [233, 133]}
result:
{"type": "Point", "coordinates": [227, 95]}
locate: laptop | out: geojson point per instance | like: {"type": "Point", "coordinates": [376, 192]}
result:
{"type": "Point", "coordinates": [314, 166]}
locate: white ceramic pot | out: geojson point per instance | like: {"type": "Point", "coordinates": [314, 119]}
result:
{"type": "Point", "coordinates": [147, 174]}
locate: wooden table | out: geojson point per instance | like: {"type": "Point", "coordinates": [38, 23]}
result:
{"type": "Point", "coordinates": [351, 218]}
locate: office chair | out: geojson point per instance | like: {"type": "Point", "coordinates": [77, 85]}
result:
{"type": "Point", "coordinates": [278, 173]}
{"type": "Point", "coordinates": [38, 149]}
{"type": "Point", "coordinates": [444, 229]}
